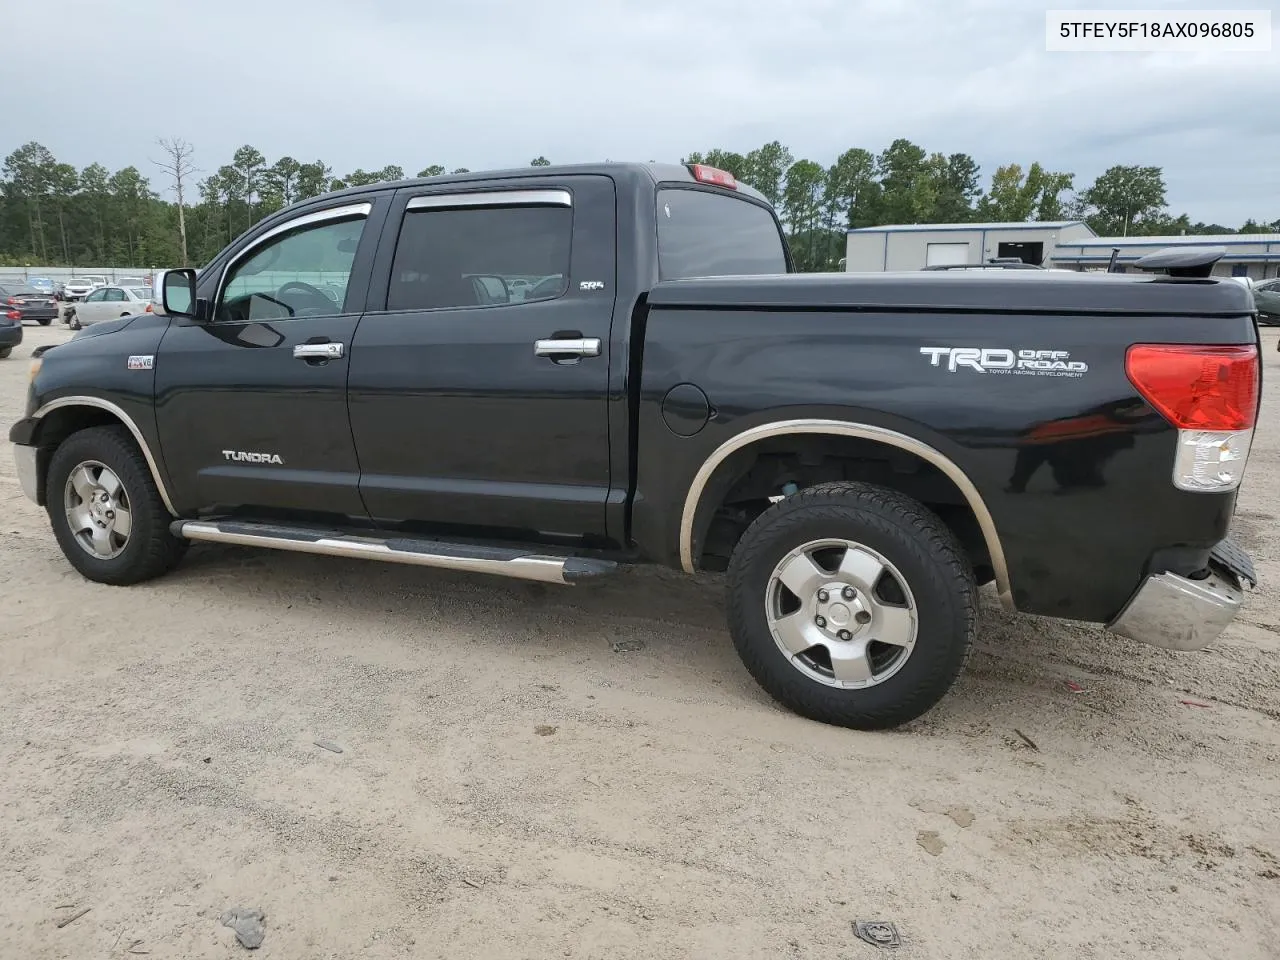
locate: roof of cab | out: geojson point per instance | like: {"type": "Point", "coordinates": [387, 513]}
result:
{"type": "Point", "coordinates": [657, 172]}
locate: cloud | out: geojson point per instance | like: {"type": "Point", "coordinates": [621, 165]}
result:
{"type": "Point", "coordinates": [493, 83]}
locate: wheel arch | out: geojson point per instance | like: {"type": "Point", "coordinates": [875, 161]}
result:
{"type": "Point", "coordinates": [732, 459]}
{"type": "Point", "coordinates": [60, 418]}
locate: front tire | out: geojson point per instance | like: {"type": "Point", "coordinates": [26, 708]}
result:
{"type": "Point", "coordinates": [852, 605]}
{"type": "Point", "coordinates": [105, 510]}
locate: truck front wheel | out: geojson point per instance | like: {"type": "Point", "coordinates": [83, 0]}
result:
{"type": "Point", "coordinates": [105, 510]}
{"type": "Point", "coordinates": [852, 605]}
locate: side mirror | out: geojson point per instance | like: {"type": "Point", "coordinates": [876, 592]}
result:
{"type": "Point", "coordinates": [175, 292]}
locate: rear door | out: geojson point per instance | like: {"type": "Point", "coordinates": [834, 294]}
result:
{"type": "Point", "coordinates": [479, 375]}
{"type": "Point", "coordinates": [116, 303]}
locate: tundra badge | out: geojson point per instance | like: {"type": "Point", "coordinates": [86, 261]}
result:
{"type": "Point", "coordinates": [242, 456]}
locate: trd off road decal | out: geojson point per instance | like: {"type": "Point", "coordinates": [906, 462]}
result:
{"type": "Point", "coordinates": [1026, 363]}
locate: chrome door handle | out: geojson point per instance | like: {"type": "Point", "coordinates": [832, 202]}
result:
{"type": "Point", "coordinates": [321, 351]}
{"type": "Point", "coordinates": [576, 347]}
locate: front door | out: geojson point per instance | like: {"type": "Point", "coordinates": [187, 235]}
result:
{"type": "Point", "coordinates": [251, 406]}
{"type": "Point", "coordinates": [93, 308]}
{"type": "Point", "coordinates": [479, 378]}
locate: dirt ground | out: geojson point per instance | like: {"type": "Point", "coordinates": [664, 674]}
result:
{"type": "Point", "coordinates": [589, 772]}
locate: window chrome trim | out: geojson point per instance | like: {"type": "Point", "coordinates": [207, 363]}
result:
{"type": "Point", "coordinates": [124, 418]}
{"type": "Point", "coordinates": [362, 209]}
{"type": "Point", "coordinates": [492, 198]}
{"type": "Point", "coordinates": [860, 431]}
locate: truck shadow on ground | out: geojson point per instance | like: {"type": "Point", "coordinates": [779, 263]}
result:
{"type": "Point", "coordinates": [667, 627]}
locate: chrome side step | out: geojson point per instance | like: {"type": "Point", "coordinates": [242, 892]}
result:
{"type": "Point", "coordinates": [500, 560]}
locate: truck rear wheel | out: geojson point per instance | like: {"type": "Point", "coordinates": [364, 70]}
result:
{"type": "Point", "coordinates": [852, 605]}
{"type": "Point", "coordinates": [105, 509]}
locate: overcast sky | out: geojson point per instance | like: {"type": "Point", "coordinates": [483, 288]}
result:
{"type": "Point", "coordinates": [491, 83]}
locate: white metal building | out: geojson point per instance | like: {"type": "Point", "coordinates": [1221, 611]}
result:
{"type": "Point", "coordinates": [1255, 255]}
{"type": "Point", "coordinates": [915, 245]}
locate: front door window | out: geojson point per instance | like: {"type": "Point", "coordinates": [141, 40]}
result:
{"type": "Point", "coordinates": [303, 273]}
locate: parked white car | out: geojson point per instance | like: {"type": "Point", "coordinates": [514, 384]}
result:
{"type": "Point", "coordinates": [110, 303]}
{"type": "Point", "coordinates": [77, 288]}
{"type": "Point", "coordinates": [132, 282]}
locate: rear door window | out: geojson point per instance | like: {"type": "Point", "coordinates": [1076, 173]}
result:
{"type": "Point", "coordinates": [471, 257]}
{"type": "Point", "coordinates": [705, 234]}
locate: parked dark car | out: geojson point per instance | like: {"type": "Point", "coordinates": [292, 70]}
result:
{"type": "Point", "coordinates": [858, 451]}
{"type": "Point", "coordinates": [10, 334]}
{"type": "Point", "coordinates": [24, 302]}
{"type": "Point", "coordinates": [1266, 294]}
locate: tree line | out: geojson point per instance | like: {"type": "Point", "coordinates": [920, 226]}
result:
{"type": "Point", "coordinates": [54, 214]}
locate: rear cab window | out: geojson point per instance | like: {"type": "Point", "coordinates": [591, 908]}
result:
{"type": "Point", "coordinates": [704, 233]}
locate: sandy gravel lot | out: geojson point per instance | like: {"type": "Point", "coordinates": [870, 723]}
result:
{"type": "Point", "coordinates": [511, 785]}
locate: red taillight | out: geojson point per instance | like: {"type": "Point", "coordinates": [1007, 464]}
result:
{"type": "Point", "coordinates": [13, 301]}
{"type": "Point", "coordinates": [721, 178]}
{"type": "Point", "coordinates": [1197, 388]}
{"type": "Point", "coordinates": [148, 310]}
{"type": "Point", "coordinates": [14, 315]}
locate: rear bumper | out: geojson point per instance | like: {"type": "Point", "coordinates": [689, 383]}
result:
{"type": "Point", "coordinates": [10, 336]}
{"type": "Point", "coordinates": [1178, 613]}
{"type": "Point", "coordinates": [25, 459]}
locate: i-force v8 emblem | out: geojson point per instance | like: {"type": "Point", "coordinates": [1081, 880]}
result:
{"type": "Point", "coordinates": [142, 362]}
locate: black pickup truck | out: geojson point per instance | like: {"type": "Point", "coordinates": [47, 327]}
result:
{"type": "Point", "coordinates": [549, 372]}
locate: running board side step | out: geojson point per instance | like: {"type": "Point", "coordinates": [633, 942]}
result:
{"type": "Point", "coordinates": [500, 560]}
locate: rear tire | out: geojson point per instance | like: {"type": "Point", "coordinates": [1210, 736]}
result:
{"type": "Point", "coordinates": [867, 563]}
{"type": "Point", "coordinates": [4, 352]}
{"type": "Point", "coordinates": [45, 322]}
{"type": "Point", "coordinates": [97, 481]}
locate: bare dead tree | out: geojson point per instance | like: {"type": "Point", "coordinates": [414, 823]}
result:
{"type": "Point", "coordinates": [179, 167]}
